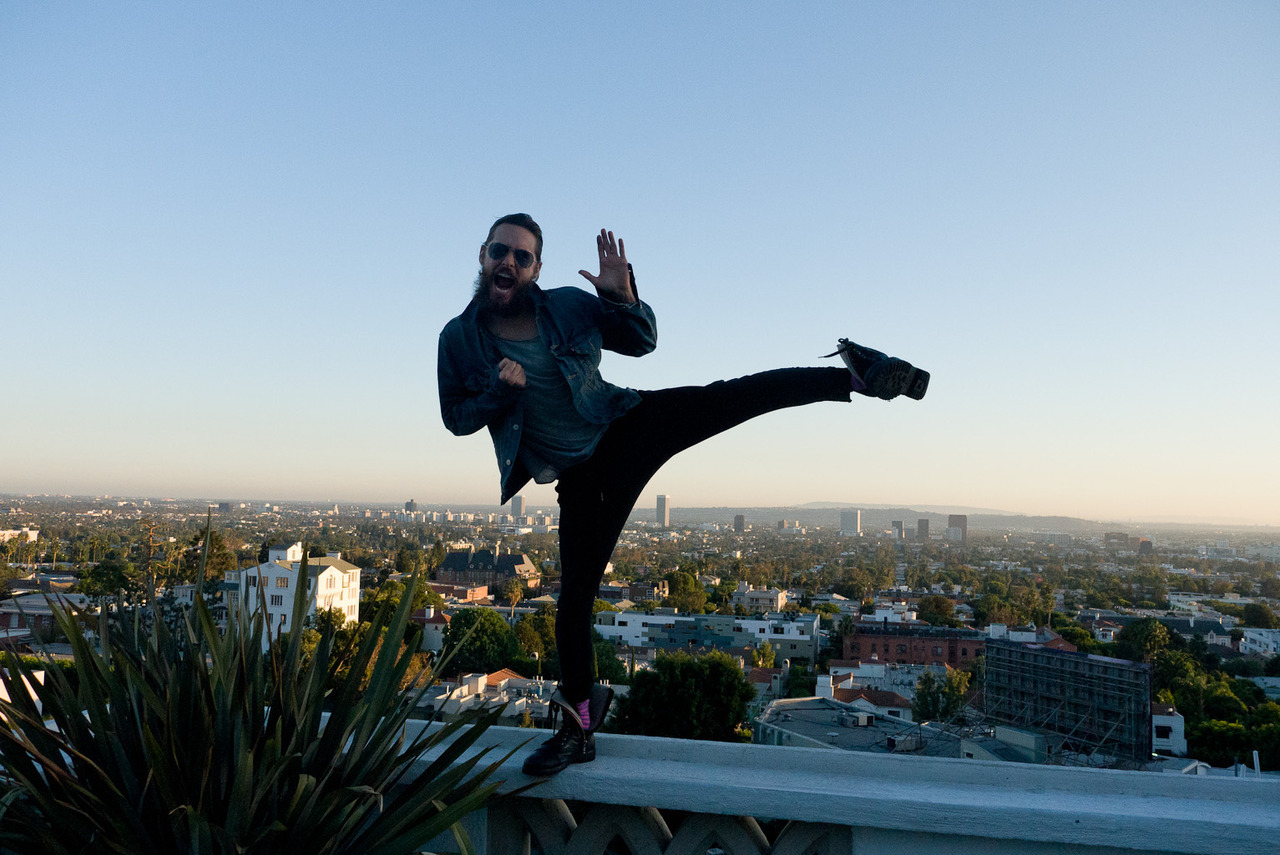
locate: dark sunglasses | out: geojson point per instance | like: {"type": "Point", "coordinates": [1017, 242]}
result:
{"type": "Point", "coordinates": [498, 251]}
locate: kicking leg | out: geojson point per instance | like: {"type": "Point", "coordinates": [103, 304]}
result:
{"type": "Point", "coordinates": [597, 497]}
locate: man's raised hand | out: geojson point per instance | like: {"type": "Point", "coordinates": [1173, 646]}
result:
{"type": "Point", "coordinates": [614, 281]}
{"type": "Point", "coordinates": [511, 373]}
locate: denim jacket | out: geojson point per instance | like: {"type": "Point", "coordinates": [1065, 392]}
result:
{"type": "Point", "coordinates": [575, 325]}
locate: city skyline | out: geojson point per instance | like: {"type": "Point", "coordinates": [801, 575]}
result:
{"type": "Point", "coordinates": [232, 235]}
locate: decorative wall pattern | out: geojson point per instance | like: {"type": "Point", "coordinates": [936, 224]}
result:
{"type": "Point", "coordinates": [557, 827]}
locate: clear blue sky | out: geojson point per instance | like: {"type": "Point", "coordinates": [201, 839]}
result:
{"type": "Point", "coordinates": [230, 234]}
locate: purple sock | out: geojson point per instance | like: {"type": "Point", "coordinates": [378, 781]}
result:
{"type": "Point", "coordinates": [584, 713]}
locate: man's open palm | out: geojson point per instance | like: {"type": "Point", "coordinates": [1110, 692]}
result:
{"type": "Point", "coordinates": [614, 281]}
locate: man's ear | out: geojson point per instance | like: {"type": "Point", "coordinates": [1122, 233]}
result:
{"type": "Point", "coordinates": [482, 248]}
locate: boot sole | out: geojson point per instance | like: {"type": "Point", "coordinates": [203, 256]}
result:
{"type": "Point", "coordinates": [893, 377]}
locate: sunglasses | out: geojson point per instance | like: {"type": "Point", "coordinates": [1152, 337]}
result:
{"type": "Point", "coordinates": [498, 251]}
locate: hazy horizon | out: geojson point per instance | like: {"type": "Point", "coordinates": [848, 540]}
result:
{"type": "Point", "coordinates": [641, 507]}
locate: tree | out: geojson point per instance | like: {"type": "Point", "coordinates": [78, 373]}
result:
{"type": "Point", "coordinates": [1260, 615]}
{"type": "Point", "coordinates": [410, 558]}
{"type": "Point", "coordinates": [939, 698]}
{"type": "Point", "coordinates": [1080, 637]}
{"type": "Point", "coordinates": [9, 575]}
{"type": "Point", "coordinates": [763, 656]}
{"type": "Point", "coordinates": [609, 668]}
{"type": "Point", "coordinates": [687, 698]}
{"type": "Point", "coordinates": [490, 647]}
{"type": "Point", "coordinates": [1171, 667]}
{"type": "Point", "coordinates": [513, 592]}
{"type": "Point", "coordinates": [529, 640]}
{"type": "Point", "coordinates": [329, 620]}
{"type": "Point", "coordinates": [390, 592]}
{"type": "Point", "coordinates": [113, 576]}
{"type": "Point", "coordinates": [686, 594]}
{"type": "Point", "coordinates": [802, 682]}
{"type": "Point", "coordinates": [937, 610]}
{"type": "Point", "coordinates": [1141, 640]}
{"type": "Point", "coordinates": [436, 556]}
{"type": "Point", "coordinates": [221, 560]}
{"type": "Point", "coordinates": [536, 636]}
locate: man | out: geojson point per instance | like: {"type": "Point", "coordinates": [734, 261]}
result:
{"type": "Point", "coordinates": [524, 362]}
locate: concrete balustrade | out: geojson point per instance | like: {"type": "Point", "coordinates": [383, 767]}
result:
{"type": "Point", "coordinates": [677, 797]}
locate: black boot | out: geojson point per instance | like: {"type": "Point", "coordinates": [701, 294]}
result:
{"type": "Point", "coordinates": [881, 376]}
{"type": "Point", "coordinates": [571, 744]}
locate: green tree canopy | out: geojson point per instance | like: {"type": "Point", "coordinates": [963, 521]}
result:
{"type": "Point", "coordinates": [763, 656]}
{"type": "Point", "coordinates": [609, 668]}
{"type": "Point", "coordinates": [939, 698]}
{"type": "Point", "coordinates": [536, 636]}
{"type": "Point", "coordinates": [802, 682]}
{"type": "Point", "coordinates": [937, 610]}
{"type": "Point", "coordinates": [1260, 615]}
{"type": "Point", "coordinates": [329, 620]}
{"type": "Point", "coordinates": [390, 592]}
{"type": "Point", "coordinates": [1080, 637]}
{"type": "Point", "coordinates": [686, 594]}
{"type": "Point", "coordinates": [410, 558]}
{"type": "Point", "coordinates": [687, 698]}
{"type": "Point", "coordinates": [113, 576]}
{"type": "Point", "coordinates": [221, 559]}
{"type": "Point", "coordinates": [491, 647]}
{"type": "Point", "coordinates": [1141, 640]}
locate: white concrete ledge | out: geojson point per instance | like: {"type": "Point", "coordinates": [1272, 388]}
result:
{"type": "Point", "coordinates": [1136, 811]}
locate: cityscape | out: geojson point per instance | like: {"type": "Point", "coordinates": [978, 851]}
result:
{"type": "Point", "coordinates": [1051, 642]}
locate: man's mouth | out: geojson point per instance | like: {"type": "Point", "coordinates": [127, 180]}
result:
{"type": "Point", "coordinates": [503, 283]}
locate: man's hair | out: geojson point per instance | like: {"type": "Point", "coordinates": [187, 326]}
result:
{"type": "Point", "coordinates": [524, 221]}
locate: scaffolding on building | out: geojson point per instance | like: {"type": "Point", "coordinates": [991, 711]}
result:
{"type": "Point", "coordinates": [1099, 707]}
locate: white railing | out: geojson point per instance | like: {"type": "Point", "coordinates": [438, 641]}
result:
{"type": "Point", "coordinates": [677, 797]}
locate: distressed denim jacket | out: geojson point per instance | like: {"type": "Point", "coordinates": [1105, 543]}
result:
{"type": "Point", "coordinates": [575, 325]}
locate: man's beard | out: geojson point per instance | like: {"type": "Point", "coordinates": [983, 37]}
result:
{"type": "Point", "coordinates": [521, 301]}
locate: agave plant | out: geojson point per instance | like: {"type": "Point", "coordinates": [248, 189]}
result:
{"type": "Point", "coordinates": [197, 740]}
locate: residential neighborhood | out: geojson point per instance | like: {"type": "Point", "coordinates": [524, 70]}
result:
{"type": "Point", "coordinates": [1016, 636]}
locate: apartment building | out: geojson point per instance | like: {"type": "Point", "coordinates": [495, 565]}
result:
{"type": "Point", "coordinates": [792, 636]}
{"type": "Point", "coordinates": [273, 585]}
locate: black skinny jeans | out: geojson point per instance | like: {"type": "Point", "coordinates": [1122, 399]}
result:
{"type": "Point", "coordinates": [597, 496]}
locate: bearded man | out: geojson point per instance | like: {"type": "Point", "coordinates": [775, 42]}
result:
{"type": "Point", "coordinates": [524, 363]}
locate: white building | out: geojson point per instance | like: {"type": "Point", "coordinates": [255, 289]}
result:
{"type": "Point", "coordinates": [758, 599]}
{"type": "Point", "coordinates": [898, 611]}
{"type": "Point", "coordinates": [27, 534]}
{"type": "Point", "coordinates": [890, 677]}
{"type": "Point", "coordinates": [274, 584]}
{"type": "Point", "coordinates": [1263, 642]}
{"type": "Point", "coordinates": [433, 625]}
{"type": "Point", "coordinates": [1168, 731]}
{"type": "Point", "coordinates": [790, 635]}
